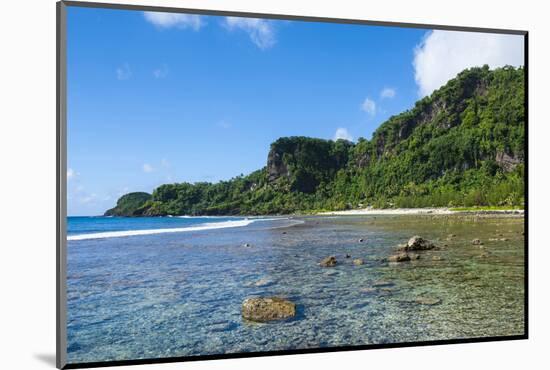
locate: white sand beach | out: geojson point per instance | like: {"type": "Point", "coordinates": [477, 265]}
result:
{"type": "Point", "coordinates": [414, 211]}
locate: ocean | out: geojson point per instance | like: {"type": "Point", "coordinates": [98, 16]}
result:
{"type": "Point", "coordinates": [173, 286]}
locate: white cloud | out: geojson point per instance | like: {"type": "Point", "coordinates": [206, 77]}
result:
{"type": "Point", "coordinates": [342, 133]}
{"type": "Point", "coordinates": [168, 20]}
{"type": "Point", "coordinates": [147, 168]}
{"type": "Point", "coordinates": [123, 72]}
{"type": "Point", "coordinates": [387, 92]}
{"type": "Point", "coordinates": [369, 106]}
{"type": "Point", "coordinates": [443, 54]}
{"type": "Point", "coordinates": [260, 31]}
{"type": "Point", "coordinates": [161, 72]}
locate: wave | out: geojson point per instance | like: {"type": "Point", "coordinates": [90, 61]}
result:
{"type": "Point", "coordinates": [201, 227]}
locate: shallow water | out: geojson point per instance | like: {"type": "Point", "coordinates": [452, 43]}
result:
{"type": "Point", "coordinates": [180, 294]}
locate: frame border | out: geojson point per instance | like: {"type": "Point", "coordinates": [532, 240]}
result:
{"type": "Point", "coordinates": [61, 186]}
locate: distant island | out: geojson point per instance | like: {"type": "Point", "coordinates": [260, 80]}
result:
{"type": "Point", "coordinates": [462, 146]}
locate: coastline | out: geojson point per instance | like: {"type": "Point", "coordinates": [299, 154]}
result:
{"type": "Point", "coordinates": [435, 211]}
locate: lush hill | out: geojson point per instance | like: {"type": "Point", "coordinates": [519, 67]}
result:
{"type": "Point", "coordinates": [130, 204]}
{"type": "Point", "coordinates": [461, 146]}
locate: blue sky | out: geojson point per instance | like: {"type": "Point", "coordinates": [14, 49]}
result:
{"type": "Point", "coordinates": [158, 98]}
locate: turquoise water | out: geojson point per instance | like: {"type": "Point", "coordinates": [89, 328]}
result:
{"type": "Point", "coordinates": [180, 293]}
{"type": "Point", "coordinates": [96, 224]}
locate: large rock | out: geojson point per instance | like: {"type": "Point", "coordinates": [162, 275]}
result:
{"type": "Point", "coordinates": [328, 262]}
{"type": "Point", "coordinates": [416, 243]}
{"type": "Point", "coordinates": [400, 257]}
{"type": "Point", "coordinates": [262, 309]}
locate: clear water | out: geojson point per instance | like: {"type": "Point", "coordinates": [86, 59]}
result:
{"type": "Point", "coordinates": [180, 294]}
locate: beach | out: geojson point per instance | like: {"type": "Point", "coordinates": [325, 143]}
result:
{"type": "Point", "coordinates": [417, 211]}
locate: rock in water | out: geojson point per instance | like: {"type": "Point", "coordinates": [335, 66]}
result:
{"type": "Point", "coordinates": [477, 242]}
{"type": "Point", "coordinates": [368, 290]}
{"type": "Point", "coordinates": [417, 243]}
{"type": "Point", "coordinates": [328, 262]}
{"type": "Point", "coordinates": [382, 283]}
{"type": "Point", "coordinates": [246, 245]}
{"type": "Point", "coordinates": [262, 309]}
{"type": "Point", "coordinates": [264, 282]}
{"type": "Point", "coordinates": [361, 240]}
{"type": "Point", "coordinates": [358, 262]}
{"type": "Point", "coordinates": [428, 301]}
{"type": "Point", "coordinates": [401, 257]}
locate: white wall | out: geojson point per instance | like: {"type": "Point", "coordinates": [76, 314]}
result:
{"type": "Point", "coordinates": [27, 188]}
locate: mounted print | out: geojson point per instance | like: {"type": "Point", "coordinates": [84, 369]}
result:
{"type": "Point", "coordinates": [234, 184]}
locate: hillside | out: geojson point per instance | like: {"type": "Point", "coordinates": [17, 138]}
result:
{"type": "Point", "coordinates": [461, 146]}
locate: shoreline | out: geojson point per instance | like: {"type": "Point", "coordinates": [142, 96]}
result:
{"type": "Point", "coordinates": [435, 211]}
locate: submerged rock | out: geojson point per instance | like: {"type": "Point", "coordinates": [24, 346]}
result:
{"type": "Point", "coordinates": [382, 283]}
{"type": "Point", "coordinates": [328, 262]}
{"type": "Point", "coordinates": [262, 309]}
{"type": "Point", "coordinates": [429, 301]}
{"type": "Point", "coordinates": [437, 258]}
{"type": "Point", "coordinates": [264, 282]}
{"type": "Point", "coordinates": [401, 257]}
{"type": "Point", "coordinates": [416, 243]}
{"type": "Point", "coordinates": [358, 262]}
{"type": "Point", "coordinates": [369, 290]}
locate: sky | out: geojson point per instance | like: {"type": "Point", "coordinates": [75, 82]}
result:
{"type": "Point", "coordinates": [157, 98]}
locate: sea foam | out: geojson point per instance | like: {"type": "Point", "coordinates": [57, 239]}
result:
{"type": "Point", "coordinates": [205, 226]}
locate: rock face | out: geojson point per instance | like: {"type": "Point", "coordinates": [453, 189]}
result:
{"type": "Point", "coordinates": [263, 309]}
{"type": "Point", "coordinates": [507, 162]}
{"type": "Point", "coordinates": [275, 166]}
{"type": "Point", "coordinates": [306, 162]}
{"type": "Point", "coordinates": [401, 257]}
{"type": "Point", "coordinates": [416, 243]}
{"type": "Point", "coordinates": [328, 262]}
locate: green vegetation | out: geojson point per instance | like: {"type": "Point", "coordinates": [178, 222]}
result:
{"type": "Point", "coordinates": [463, 146]}
{"type": "Point", "coordinates": [130, 204]}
